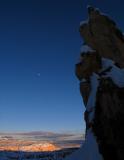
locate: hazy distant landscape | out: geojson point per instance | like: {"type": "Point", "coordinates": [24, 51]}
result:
{"type": "Point", "coordinates": [38, 145]}
{"type": "Point", "coordinates": [39, 141]}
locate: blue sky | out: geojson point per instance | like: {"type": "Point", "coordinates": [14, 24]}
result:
{"type": "Point", "coordinates": [39, 46]}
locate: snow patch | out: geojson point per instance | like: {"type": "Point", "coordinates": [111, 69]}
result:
{"type": "Point", "coordinates": [92, 98]}
{"type": "Point", "coordinates": [83, 80]}
{"type": "Point", "coordinates": [116, 74]}
{"type": "Point", "coordinates": [86, 49]}
{"type": "Point", "coordinates": [84, 22]}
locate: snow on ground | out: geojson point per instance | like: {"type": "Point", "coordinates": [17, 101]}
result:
{"type": "Point", "coordinates": [89, 151]}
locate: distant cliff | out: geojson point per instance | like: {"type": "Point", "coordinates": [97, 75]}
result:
{"type": "Point", "coordinates": [101, 75]}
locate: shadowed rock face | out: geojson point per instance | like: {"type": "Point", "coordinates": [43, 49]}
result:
{"type": "Point", "coordinates": [107, 62]}
{"type": "Point", "coordinates": [90, 63]}
{"type": "Point", "coordinates": [109, 120]}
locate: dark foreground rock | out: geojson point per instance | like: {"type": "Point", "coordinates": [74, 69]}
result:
{"type": "Point", "coordinates": [101, 75]}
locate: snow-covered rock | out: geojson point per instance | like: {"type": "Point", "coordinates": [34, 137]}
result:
{"type": "Point", "coordinates": [87, 49]}
{"type": "Point", "coordinates": [101, 75]}
{"type": "Point", "coordinates": [89, 151]}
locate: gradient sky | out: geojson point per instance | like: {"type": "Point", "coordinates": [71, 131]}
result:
{"type": "Point", "coordinates": [39, 46]}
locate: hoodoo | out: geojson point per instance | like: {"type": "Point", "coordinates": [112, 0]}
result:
{"type": "Point", "coordinates": [101, 75]}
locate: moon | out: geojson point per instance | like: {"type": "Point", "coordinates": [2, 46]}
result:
{"type": "Point", "coordinates": [38, 74]}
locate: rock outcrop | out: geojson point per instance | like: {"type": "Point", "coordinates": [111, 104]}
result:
{"type": "Point", "coordinates": [101, 75]}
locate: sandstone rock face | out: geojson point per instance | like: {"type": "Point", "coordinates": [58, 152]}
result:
{"type": "Point", "coordinates": [102, 34]}
{"type": "Point", "coordinates": [101, 75]}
